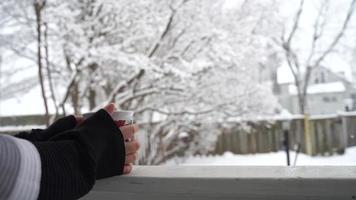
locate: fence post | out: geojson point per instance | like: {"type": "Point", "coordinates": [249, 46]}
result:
{"type": "Point", "coordinates": [344, 133]}
{"type": "Point", "coordinates": [307, 137]}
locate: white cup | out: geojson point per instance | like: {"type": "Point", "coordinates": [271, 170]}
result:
{"type": "Point", "coordinates": [121, 117]}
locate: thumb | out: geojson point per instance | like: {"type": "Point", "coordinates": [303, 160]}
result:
{"type": "Point", "coordinates": [110, 108]}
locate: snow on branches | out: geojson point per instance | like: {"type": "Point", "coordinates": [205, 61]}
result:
{"type": "Point", "coordinates": [179, 64]}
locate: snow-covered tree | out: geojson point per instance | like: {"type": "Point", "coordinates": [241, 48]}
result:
{"type": "Point", "coordinates": [17, 33]}
{"type": "Point", "coordinates": [181, 65]}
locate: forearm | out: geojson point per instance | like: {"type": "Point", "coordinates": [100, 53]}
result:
{"type": "Point", "coordinates": [70, 162]}
{"type": "Point", "coordinates": [68, 172]}
{"type": "Point", "coordinates": [74, 159]}
{"type": "Point", "coordinates": [44, 170]}
{"type": "Point", "coordinates": [59, 126]}
{"type": "Point", "coordinates": [20, 169]}
{"type": "Point", "coordinates": [33, 135]}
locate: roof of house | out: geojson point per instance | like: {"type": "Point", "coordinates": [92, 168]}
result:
{"type": "Point", "coordinates": [334, 87]}
{"type": "Point", "coordinates": [334, 65]}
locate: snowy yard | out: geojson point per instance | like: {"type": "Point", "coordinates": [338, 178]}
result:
{"type": "Point", "coordinates": [270, 159]}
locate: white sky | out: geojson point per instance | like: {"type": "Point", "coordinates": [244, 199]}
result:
{"type": "Point", "coordinates": [337, 62]}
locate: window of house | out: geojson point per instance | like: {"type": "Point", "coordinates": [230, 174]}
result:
{"type": "Point", "coordinates": [326, 99]}
{"type": "Point", "coordinates": [322, 77]}
{"type": "Point", "coordinates": [353, 96]}
{"type": "Point", "coordinates": [330, 99]}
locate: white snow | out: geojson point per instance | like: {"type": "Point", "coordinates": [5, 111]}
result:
{"type": "Point", "coordinates": [321, 88]}
{"type": "Point", "coordinates": [338, 65]}
{"type": "Point", "coordinates": [25, 104]}
{"type": "Point", "coordinates": [270, 159]}
{"type": "Point", "coordinates": [20, 128]}
{"type": "Point", "coordinates": [284, 75]}
{"type": "Point", "coordinates": [231, 4]}
{"type": "Point", "coordinates": [29, 103]}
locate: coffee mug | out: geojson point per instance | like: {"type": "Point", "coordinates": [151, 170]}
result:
{"type": "Point", "coordinates": [121, 118]}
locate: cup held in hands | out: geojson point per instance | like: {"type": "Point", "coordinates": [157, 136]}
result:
{"type": "Point", "coordinates": [121, 118]}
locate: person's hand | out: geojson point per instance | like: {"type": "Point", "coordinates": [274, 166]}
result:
{"type": "Point", "coordinates": [131, 144]}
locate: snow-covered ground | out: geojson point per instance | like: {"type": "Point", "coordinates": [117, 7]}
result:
{"type": "Point", "coordinates": [269, 159]}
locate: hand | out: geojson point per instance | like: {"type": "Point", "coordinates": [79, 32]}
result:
{"type": "Point", "coordinates": [131, 144]}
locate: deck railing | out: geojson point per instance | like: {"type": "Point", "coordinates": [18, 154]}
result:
{"type": "Point", "coordinates": [229, 182]}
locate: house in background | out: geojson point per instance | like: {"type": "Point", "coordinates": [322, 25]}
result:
{"type": "Point", "coordinates": [328, 92]}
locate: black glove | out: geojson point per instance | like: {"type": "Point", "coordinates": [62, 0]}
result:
{"type": "Point", "coordinates": [59, 126]}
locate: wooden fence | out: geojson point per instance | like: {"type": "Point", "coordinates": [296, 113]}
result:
{"type": "Point", "coordinates": [326, 135]}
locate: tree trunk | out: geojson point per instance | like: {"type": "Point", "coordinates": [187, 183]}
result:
{"type": "Point", "coordinates": [49, 72]}
{"type": "Point", "coordinates": [75, 98]}
{"type": "Point", "coordinates": [38, 11]}
{"type": "Point", "coordinates": [300, 95]}
{"type": "Point", "coordinates": [92, 97]}
{"type": "Point", "coordinates": [301, 103]}
{"type": "Point", "coordinates": [92, 93]}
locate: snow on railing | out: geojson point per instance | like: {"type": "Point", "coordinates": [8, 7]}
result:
{"type": "Point", "coordinates": [16, 129]}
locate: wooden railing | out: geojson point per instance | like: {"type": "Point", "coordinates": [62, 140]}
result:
{"type": "Point", "coordinates": [229, 182]}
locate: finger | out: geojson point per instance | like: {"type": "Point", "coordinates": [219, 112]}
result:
{"type": "Point", "coordinates": [129, 131]}
{"type": "Point", "coordinates": [110, 108]}
{"type": "Point", "coordinates": [127, 168]}
{"type": "Point", "coordinates": [131, 147]}
{"type": "Point", "coordinates": [131, 158]}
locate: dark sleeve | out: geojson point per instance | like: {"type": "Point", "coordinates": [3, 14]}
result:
{"type": "Point", "coordinates": [74, 159]}
{"type": "Point", "coordinates": [59, 126]}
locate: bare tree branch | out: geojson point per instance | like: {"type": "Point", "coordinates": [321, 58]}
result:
{"type": "Point", "coordinates": [296, 23]}
{"type": "Point", "coordinates": [184, 112]}
{"type": "Point", "coordinates": [68, 89]}
{"type": "Point", "coordinates": [339, 35]}
{"type": "Point", "coordinates": [166, 29]}
{"type": "Point", "coordinates": [49, 71]}
{"type": "Point", "coordinates": [302, 80]}
{"type": "Point", "coordinates": [318, 30]}
{"type": "Point", "coordinates": [122, 85]}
